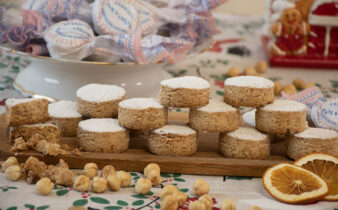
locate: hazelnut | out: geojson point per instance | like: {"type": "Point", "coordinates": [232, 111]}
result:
{"type": "Point", "coordinates": [197, 205]}
{"type": "Point", "coordinates": [44, 186]}
{"type": "Point", "coordinates": [309, 84]}
{"type": "Point", "coordinates": [207, 200]}
{"type": "Point", "coordinates": [124, 177]}
{"type": "Point", "coordinates": [169, 203]}
{"type": "Point", "coordinates": [9, 162]}
{"type": "Point", "coordinates": [90, 170]}
{"type": "Point", "coordinates": [299, 83]}
{"type": "Point", "coordinates": [181, 197]}
{"type": "Point", "coordinates": [13, 172]}
{"type": "Point", "coordinates": [143, 186]}
{"type": "Point", "coordinates": [82, 183]}
{"type": "Point", "coordinates": [261, 66]}
{"type": "Point", "coordinates": [167, 190]}
{"type": "Point", "coordinates": [62, 164]}
{"type": "Point", "coordinates": [233, 72]}
{"type": "Point", "coordinates": [151, 167]}
{"type": "Point", "coordinates": [155, 177]}
{"type": "Point", "coordinates": [114, 182]}
{"type": "Point", "coordinates": [290, 89]}
{"type": "Point", "coordinates": [277, 89]}
{"type": "Point", "coordinates": [200, 187]}
{"type": "Point", "coordinates": [99, 184]}
{"type": "Point", "coordinates": [107, 170]}
{"type": "Point", "coordinates": [228, 204]}
{"type": "Point", "coordinates": [255, 208]}
{"type": "Point", "coordinates": [249, 71]}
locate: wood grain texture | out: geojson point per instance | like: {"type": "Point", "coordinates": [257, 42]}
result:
{"type": "Point", "coordinates": [207, 161]}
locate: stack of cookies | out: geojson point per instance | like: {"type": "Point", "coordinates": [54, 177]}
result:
{"type": "Point", "coordinates": [283, 118]}
{"type": "Point", "coordinates": [27, 123]}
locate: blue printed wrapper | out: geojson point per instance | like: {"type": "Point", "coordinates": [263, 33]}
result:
{"type": "Point", "coordinates": [131, 30]}
{"type": "Point", "coordinates": [325, 114]}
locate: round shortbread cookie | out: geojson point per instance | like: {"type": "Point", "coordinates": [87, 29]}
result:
{"type": "Point", "coordinates": [142, 113]}
{"type": "Point", "coordinates": [65, 116]}
{"type": "Point", "coordinates": [99, 101]}
{"type": "Point", "coordinates": [248, 91]}
{"type": "Point", "coordinates": [102, 135]}
{"type": "Point", "coordinates": [173, 140]}
{"type": "Point", "coordinates": [185, 92]}
{"type": "Point", "coordinates": [217, 116]}
{"type": "Point", "coordinates": [312, 140]}
{"type": "Point", "coordinates": [244, 143]}
{"type": "Point", "coordinates": [281, 117]}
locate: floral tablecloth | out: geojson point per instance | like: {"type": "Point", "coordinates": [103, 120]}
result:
{"type": "Point", "coordinates": [237, 44]}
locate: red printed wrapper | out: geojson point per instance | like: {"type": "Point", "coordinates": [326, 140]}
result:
{"type": "Point", "coordinates": [309, 97]}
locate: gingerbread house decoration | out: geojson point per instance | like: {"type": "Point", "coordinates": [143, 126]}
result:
{"type": "Point", "coordinates": [302, 33]}
{"type": "Point", "coordinates": [323, 19]}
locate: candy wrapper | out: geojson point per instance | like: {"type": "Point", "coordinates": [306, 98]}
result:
{"type": "Point", "coordinates": [113, 30]}
{"type": "Point", "coordinates": [323, 114]}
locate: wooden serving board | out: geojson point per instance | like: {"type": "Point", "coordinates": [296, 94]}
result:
{"type": "Point", "coordinates": [206, 161]}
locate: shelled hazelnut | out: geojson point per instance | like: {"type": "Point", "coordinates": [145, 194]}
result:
{"type": "Point", "coordinates": [228, 204]}
{"type": "Point", "coordinates": [108, 170]}
{"type": "Point", "coordinates": [9, 162]}
{"type": "Point", "coordinates": [197, 205]}
{"type": "Point", "coordinates": [233, 72]}
{"type": "Point", "coordinates": [13, 172]}
{"type": "Point", "coordinates": [299, 83]}
{"type": "Point", "coordinates": [277, 89]}
{"type": "Point", "coordinates": [44, 186]}
{"type": "Point", "coordinates": [99, 184]}
{"type": "Point", "coordinates": [143, 186]}
{"type": "Point", "coordinates": [124, 177]}
{"type": "Point", "coordinates": [152, 172]}
{"type": "Point", "coordinates": [290, 89]}
{"type": "Point", "coordinates": [207, 200]}
{"type": "Point", "coordinates": [90, 170]}
{"type": "Point", "coordinates": [82, 183]}
{"type": "Point", "coordinates": [181, 197]}
{"type": "Point", "coordinates": [114, 182]}
{"type": "Point", "coordinates": [249, 71]}
{"type": "Point", "coordinates": [169, 203]}
{"type": "Point", "coordinates": [167, 190]}
{"type": "Point", "coordinates": [261, 66]}
{"type": "Point", "coordinates": [309, 84]}
{"type": "Point", "coordinates": [200, 187]}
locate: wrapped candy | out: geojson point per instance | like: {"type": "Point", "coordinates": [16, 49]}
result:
{"type": "Point", "coordinates": [129, 30]}
{"type": "Point", "coordinates": [325, 114]}
{"type": "Point", "coordinates": [74, 39]}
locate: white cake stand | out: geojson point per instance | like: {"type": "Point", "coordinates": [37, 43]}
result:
{"type": "Point", "coordinates": [59, 79]}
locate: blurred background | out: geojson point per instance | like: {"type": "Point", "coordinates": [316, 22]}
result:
{"type": "Point", "coordinates": [243, 7]}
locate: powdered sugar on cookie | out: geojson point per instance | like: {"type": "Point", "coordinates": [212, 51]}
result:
{"type": "Point", "coordinates": [248, 133]}
{"type": "Point", "coordinates": [15, 101]}
{"type": "Point", "coordinates": [100, 92]}
{"type": "Point", "coordinates": [63, 109]}
{"type": "Point", "coordinates": [317, 133]}
{"type": "Point", "coordinates": [249, 81]}
{"type": "Point", "coordinates": [140, 103]}
{"type": "Point", "coordinates": [216, 106]}
{"type": "Point", "coordinates": [284, 106]}
{"type": "Point", "coordinates": [190, 82]}
{"type": "Point", "coordinates": [101, 125]}
{"type": "Point", "coordinates": [175, 129]}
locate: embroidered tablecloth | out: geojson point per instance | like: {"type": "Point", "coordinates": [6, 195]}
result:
{"type": "Point", "coordinates": [237, 44]}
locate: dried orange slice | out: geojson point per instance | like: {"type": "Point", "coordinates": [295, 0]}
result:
{"type": "Point", "coordinates": [325, 166]}
{"type": "Point", "coordinates": [293, 184]}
